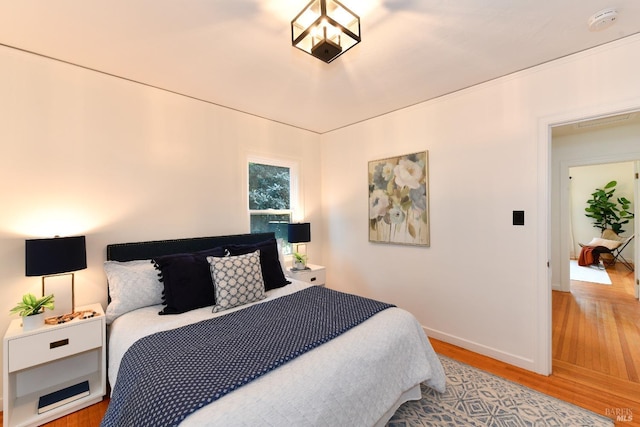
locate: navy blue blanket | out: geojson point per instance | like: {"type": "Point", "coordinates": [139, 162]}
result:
{"type": "Point", "coordinates": [166, 376]}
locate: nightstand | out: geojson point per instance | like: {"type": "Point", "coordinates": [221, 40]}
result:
{"type": "Point", "coordinates": [49, 359]}
{"type": "Point", "coordinates": [315, 274]}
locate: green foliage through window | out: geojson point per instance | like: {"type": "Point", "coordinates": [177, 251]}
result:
{"type": "Point", "coordinates": [269, 187]}
{"type": "Point", "coordinates": [270, 200]}
{"type": "Point", "coordinates": [264, 223]}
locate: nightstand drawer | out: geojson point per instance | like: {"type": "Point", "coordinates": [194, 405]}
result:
{"type": "Point", "coordinates": [316, 275]}
{"type": "Point", "coordinates": [54, 344]}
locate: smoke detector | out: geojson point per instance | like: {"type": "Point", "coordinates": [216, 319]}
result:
{"type": "Point", "coordinates": [603, 19]}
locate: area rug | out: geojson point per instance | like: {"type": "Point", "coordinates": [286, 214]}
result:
{"type": "Point", "coordinates": [592, 274]}
{"type": "Point", "coordinates": [478, 398]}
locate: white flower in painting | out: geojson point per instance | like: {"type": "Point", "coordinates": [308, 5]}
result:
{"type": "Point", "coordinates": [408, 174]}
{"type": "Point", "coordinates": [378, 204]}
{"type": "Point", "coordinates": [387, 171]}
{"type": "Point", "coordinates": [396, 216]}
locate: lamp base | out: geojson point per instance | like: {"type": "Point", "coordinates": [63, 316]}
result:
{"type": "Point", "coordinates": [62, 288]}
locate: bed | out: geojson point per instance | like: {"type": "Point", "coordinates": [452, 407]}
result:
{"type": "Point", "coordinates": [358, 376]}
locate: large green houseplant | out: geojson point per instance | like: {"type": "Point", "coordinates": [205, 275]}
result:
{"type": "Point", "coordinates": [607, 211]}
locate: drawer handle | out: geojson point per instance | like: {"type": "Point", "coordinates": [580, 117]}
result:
{"type": "Point", "coordinates": [57, 344]}
{"type": "Point", "coordinates": [313, 279]}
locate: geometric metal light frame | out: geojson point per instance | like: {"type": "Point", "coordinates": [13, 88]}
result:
{"type": "Point", "coordinates": [325, 29]}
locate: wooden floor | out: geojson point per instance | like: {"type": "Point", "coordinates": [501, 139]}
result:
{"type": "Point", "coordinates": [596, 354]}
{"type": "Point", "coordinates": [596, 349]}
{"type": "Point", "coordinates": [597, 327]}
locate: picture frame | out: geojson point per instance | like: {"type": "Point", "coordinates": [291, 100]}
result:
{"type": "Point", "coordinates": [399, 200]}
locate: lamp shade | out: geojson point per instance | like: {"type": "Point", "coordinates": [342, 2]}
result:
{"type": "Point", "coordinates": [55, 256]}
{"type": "Point", "coordinates": [300, 232]}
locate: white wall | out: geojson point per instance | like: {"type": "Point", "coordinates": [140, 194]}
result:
{"type": "Point", "coordinates": [483, 283]}
{"type": "Point", "coordinates": [86, 153]}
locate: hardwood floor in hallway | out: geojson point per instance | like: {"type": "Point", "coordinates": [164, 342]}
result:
{"type": "Point", "coordinates": [597, 327]}
{"type": "Point", "coordinates": [596, 334]}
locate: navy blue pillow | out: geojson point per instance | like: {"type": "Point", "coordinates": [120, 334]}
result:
{"type": "Point", "coordinates": [269, 262]}
{"type": "Point", "coordinates": [187, 280]}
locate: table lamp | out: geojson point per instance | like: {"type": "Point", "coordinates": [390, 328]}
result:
{"type": "Point", "coordinates": [55, 257]}
{"type": "Point", "coordinates": [300, 233]}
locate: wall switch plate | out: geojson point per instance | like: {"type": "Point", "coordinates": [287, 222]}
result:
{"type": "Point", "coordinates": [518, 217]}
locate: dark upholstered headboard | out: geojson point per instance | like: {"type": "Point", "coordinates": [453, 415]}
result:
{"type": "Point", "coordinates": [151, 249]}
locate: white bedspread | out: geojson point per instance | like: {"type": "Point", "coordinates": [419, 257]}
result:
{"type": "Point", "coordinates": [352, 380]}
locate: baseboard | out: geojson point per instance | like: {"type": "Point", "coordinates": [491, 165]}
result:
{"type": "Point", "coordinates": [502, 356]}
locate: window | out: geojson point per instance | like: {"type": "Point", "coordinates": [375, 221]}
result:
{"type": "Point", "coordinates": [272, 197]}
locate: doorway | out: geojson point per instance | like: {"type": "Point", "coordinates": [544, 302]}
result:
{"type": "Point", "coordinates": [605, 141]}
{"type": "Point", "coordinates": [583, 182]}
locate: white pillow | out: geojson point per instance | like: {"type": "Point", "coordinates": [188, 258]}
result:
{"type": "Point", "coordinates": [609, 244]}
{"type": "Point", "coordinates": [132, 285]}
{"type": "Point", "coordinates": [237, 280]}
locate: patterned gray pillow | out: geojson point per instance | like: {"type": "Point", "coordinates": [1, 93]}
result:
{"type": "Point", "coordinates": [237, 280]}
{"type": "Point", "coordinates": [132, 285]}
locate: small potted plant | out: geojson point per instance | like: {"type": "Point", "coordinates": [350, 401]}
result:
{"type": "Point", "coordinates": [299, 261]}
{"type": "Point", "coordinates": [32, 310]}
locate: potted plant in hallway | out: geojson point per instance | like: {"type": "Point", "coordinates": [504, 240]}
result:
{"type": "Point", "coordinates": [607, 211]}
{"type": "Point", "coordinates": [32, 310]}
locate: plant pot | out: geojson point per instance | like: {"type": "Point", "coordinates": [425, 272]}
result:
{"type": "Point", "coordinates": [32, 322]}
{"type": "Point", "coordinates": [298, 265]}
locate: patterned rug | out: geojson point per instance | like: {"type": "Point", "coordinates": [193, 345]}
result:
{"type": "Point", "coordinates": [478, 398]}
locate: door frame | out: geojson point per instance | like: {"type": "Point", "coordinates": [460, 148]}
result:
{"type": "Point", "coordinates": [565, 208]}
{"type": "Point", "coordinates": [543, 352]}
{"type": "Point", "coordinates": [636, 229]}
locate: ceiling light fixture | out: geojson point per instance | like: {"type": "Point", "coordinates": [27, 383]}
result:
{"type": "Point", "coordinates": [325, 29]}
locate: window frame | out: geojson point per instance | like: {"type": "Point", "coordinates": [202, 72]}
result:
{"type": "Point", "coordinates": [294, 210]}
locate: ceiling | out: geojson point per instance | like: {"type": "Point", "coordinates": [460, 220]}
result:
{"type": "Point", "coordinates": [238, 53]}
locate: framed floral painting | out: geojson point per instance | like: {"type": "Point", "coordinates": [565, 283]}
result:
{"type": "Point", "coordinates": [399, 200]}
